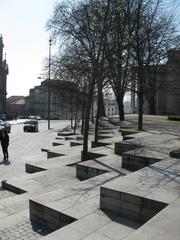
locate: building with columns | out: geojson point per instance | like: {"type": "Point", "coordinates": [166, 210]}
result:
{"type": "Point", "coordinates": [3, 78]}
{"type": "Point", "coordinates": [166, 88]}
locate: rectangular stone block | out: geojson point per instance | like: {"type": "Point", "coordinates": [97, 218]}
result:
{"type": "Point", "coordinates": [128, 205]}
{"type": "Point", "coordinates": [32, 168]}
{"type": "Point", "coordinates": [48, 217]}
{"type": "Point", "coordinates": [121, 147]}
{"type": "Point", "coordinates": [7, 186]}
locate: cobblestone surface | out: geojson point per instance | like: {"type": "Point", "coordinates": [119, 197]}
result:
{"type": "Point", "coordinates": [5, 193]}
{"type": "Point", "coordinates": [23, 231]}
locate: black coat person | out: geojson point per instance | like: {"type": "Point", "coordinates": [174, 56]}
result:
{"type": "Point", "coordinates": [4, 137]}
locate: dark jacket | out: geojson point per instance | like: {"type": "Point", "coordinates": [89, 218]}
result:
{"type": "Point", "coordinates": [4, 140]}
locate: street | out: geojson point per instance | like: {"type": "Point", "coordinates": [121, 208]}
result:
{"type": "Point", "coordinates": [26, 146]}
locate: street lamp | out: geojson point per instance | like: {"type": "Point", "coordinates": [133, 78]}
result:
{"type": "Point", "coordinates": [49, 86]}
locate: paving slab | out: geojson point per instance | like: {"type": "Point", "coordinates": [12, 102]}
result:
{"type": "Point", "coordinates": [57, 162]}
{"type": "Point", "coordinates": [138, 195]}
{"type": "Point", "coordinates": [164, 226]}
{"type": "Point", "coordinates": [92, 168]}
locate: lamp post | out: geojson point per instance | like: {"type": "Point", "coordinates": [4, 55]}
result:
{"type": "Point", "coordinates": [49, 85]}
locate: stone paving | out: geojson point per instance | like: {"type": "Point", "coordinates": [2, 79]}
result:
{"type": "Point", "coordinates": [23, 231]}
{"type": "Point", "coordinates": [5, 193]}
{"type": "Point", "coordinates": [80, 210]}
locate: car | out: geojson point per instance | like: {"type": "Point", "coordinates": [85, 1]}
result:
{"type": "Point", "coordinates": [5, 125]}
{"type": "Point", "coordinates": [31, 126]}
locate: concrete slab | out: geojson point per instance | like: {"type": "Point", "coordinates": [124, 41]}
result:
{"type": "Point", "coordinates": [92, 168]}
{"type": "Point", "coordinates": [163, 226]}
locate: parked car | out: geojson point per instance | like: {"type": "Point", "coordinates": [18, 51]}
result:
{"type": "Point", "coordinates": [5, 125]}
{"type": "Point", "coordinates": [31, 126]}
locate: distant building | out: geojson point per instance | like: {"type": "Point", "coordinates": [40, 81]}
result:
{"type": "Point", "coordinates": [16, 106]}
{"type": "Point", "coordinates": [110, 106]}
{"type": "Point", "coordinates": [164, 92]}
{"type": "Point", "coordinates": [3, 78]}
{"type": "Point", "coordinates": [63, 99]}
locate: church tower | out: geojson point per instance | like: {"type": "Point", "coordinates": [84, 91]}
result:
{"type": "Point", "coordinates": [3, 78]}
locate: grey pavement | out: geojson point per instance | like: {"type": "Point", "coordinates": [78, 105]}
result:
{"type": "Point", "coordinates": [81, 209]}
{"type": "Point", "coordinates": [26, 146]}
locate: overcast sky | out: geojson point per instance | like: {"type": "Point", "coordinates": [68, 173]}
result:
{"type": "Point", "coordinates": [22, 24]}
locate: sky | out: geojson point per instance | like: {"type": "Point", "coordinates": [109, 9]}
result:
{"type": "Point", "coordinates": [23, 27]}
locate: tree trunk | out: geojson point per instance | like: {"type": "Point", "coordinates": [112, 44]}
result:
{"type": "Point", "coordinates": [72, 113]}
{"type": "Point", "coordinates": [92, 112]}
{"type": "Point", "coordinates": [140, 115]}
{"type": "Point", "coordinates": [83, 111]}
{"type": "Point", "coordinates": [101, 102]}
{"type": "Point", "coordinates": [152, 106]}
{"type": "Point", "coordinates": [76, 114]}
{"type": "Point", "coordinates": [121, 109]}
{"type": "Point", "coordinates": [84, 154]}
{"type": "Point", "coordinates": [100, 110]}
{"type": "Point", "coordinates": [119, 100]}
{"type": "Point", "coordinates": [97, 121]}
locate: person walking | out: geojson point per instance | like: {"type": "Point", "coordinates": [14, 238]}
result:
{"type": "Point", "coordinates": [4, 143]}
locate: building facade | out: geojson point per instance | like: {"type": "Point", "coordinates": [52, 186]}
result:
{"type": "Point", "coordinates": [3, 78]}
{"type": "Point", "coordinates": [15, 106]}
{"type": "Point", "coordinates": [164, 89]}
{"type": "Point", "coordinates": [64, 98]}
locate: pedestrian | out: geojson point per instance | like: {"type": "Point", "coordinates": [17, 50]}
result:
{"type": "Point", "coordinates": [4, 143]}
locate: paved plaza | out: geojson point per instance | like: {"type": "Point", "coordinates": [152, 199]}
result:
{"type": "Point", "coordinates": [128, 189]}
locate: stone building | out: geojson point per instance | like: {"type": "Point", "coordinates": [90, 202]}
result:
{"type": "Point", "coordinates": [64, 98]}
{"type": "Point", "coordinates": [110, 106]}
{"type": "Point", "coordinates": [15, 106]}
{"type": "Point", "coordinates": [164, 90]}
{"type": "Point", "coordinates": [3, 78]}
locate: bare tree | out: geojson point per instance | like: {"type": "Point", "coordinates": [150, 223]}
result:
{"type": "Point", "coordinates": [152, 29]}
{"type": "Point", "coordinates": [79, 22]}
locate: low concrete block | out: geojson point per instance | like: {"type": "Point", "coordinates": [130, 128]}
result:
{"type": "Point", "coordinates": [130, 206]}
{"type": "Point", "coordinates": [134, 162]}
{"type": "Point", "coordinates": [121, 147]}
{"type": "Point", "coordinates": [91, 155]}
{"type": "Point", "coordinates": [32, 168]}
{"type": "Point", "coordinates": [65, 134]}
{"type": "Point", "coordinates": [57, 144]}
{"type": "Point", "coordinates": [128, 131]}
{"type": "Point", "coordinates": [99, 144]}
{"type": "Point", "coordinates": [85, 172]}
{"type": "Point", "coordinates": [53, 154]}
{"type": "Point", "coordinates": [73, 144]}
{"type": "Point", "coordinates": [48, 217]}
{"type": "Point", "coordinates": [12, 188]}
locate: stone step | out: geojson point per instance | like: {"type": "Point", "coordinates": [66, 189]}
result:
{"type": "Point", "coordinates": [140, 158]}
{"type": "Point", "coordinates": [161, 227]}
{"type": "Point", "coordinates": [126, 132]}
{"type": "Point", "coordinates": [95, 167]}
{"type": "Point", "coordinates": [125, 146]}
{"type": "Point", "coordinates": [142, 194]}
{"type": "Point", "coordinates": [54, 163]}
{"type": "Point", "coordinates": [60, 176]}
{"type": "Point", "coordinates": [75, 201]}
{"type": "Point", "coordinates": [75, 143]}
{"type": "Point", "coordinates": [34, 185]}
{"type": "Point", "coordinates": [62, 150]}
{"type": "Point", "coordinates": [130, 206]}
{"type": "Point", "coordinates": [64, 134]}
{"type": "Point", "coordinates": [57, 144]}
{"type": "Point", "coordinates": [106, 141]}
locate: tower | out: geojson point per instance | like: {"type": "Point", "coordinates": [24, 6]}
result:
{"type": "Point", "coordinates": [3, 78]}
